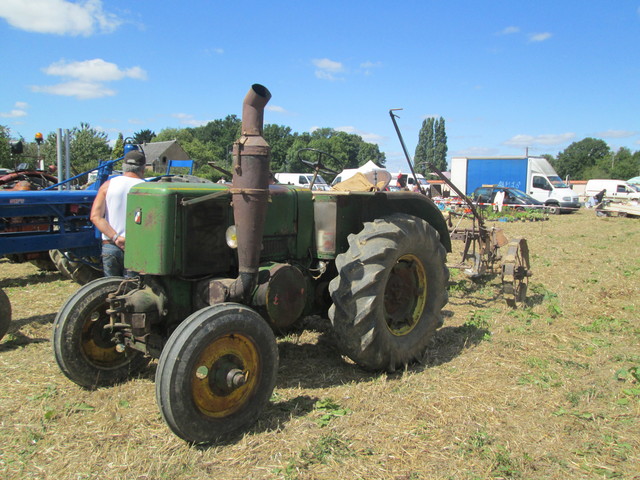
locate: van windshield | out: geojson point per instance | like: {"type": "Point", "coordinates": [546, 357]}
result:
{"type": "Point", "coordinates": [319, 179]}
{"type": "Point", "coordinates": [557, 182]}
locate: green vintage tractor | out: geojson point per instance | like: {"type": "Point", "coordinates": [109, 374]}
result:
{"type": "Point", "coordinates": [223, 267]}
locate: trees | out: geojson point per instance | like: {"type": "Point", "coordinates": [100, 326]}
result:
{"type": "Point", "coordinates": [440, 148]}
{"type": "Point", "coordinates": [143, 136]}
{"type": "Point", "coordinates": [118, 148]}
{"type": "Point", "coordinates": [624, 164]}
{"type": "Point", "coordinates": [5, 149]}
{"type": "Point", "coordinates": [432, 146]}
{"type": "Point", "coordinates": [349, 150]}
{"type": "Point", "coordinates": [280, 140]}
{"type": "Point", "coordinates": [425, 150]}
{"type": "Point", "coordinates": [87, 147]}
{"type": "Point", "coordinates": [583, 159]}
{"type": "Point", "coordinates": [211, 143]}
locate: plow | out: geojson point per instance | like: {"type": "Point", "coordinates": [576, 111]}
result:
{"type": "Point", "coordinates": [487, 250]}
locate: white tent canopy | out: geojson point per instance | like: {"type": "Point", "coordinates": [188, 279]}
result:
{"type": "Point", "coordinates": [373, 172]}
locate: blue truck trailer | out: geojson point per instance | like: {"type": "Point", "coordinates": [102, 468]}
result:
{"type": "Point", "coordinates": [533, 175]}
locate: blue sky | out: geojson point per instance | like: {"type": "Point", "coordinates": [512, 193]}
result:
{"type": "Point", "coordinates": [505, 75]}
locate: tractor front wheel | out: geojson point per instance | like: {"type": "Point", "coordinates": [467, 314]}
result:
{"type": "Point", "coordinates": [389, 292]}
{"type": "Point", "coordinates": [83, 347]}
{"type": "Point", "coordinates": [216, 372]}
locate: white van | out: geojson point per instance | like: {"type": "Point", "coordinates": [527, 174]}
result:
{"type": "Point", "coordinates": [411, 183]}
{"type": "Point", "coordinates": [617, 190]}
{"type": "Point", "coordinates": [302, 180]}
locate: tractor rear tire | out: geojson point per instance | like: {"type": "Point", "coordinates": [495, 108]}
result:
{"type": "Point", "coordinates": [5, 313]}
{"type": "Point", "coordinates": [216, 372]}
{"type": "Point", "coordinates": [83, 348]}
{"type": "Point", "coordinates": [389, 292]}
{"type": "Point", "coordinates": [78, 271]}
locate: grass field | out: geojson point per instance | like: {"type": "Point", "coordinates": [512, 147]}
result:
{"type": "Point", "coordinates": [551, 391]}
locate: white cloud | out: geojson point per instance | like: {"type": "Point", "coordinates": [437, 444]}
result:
{"type": "Point", "coordinates": [539, 37]}
{"type": "Point", "coordinates": [188, 119]}
{"type": "Point", "coordinates": [95, 70]}
{"type": "Point", "coordinates": [79, 89]}
{"type": "Point", "coordinates": [368, 66]}
{"type": "Point", "coordinates": [366, 136]}
{"type": "Point", "coordinates": [19, 110]}
{"type": "Point", "coordinates": [60, 17]}
{"type": "Point", "coordinates": [616, 134]}
{"type": "Point", "coordinates": [476, 152]}
{"type": "Point", "coordinates": [213, 51]}
{"type": "Point", "coordinates": [326, 69]}
{"type": "Point", "coordinates": [509, 30]}
{"type": "Point", "coordinates": [531, 140]}
{"type": "Point", "coordinates": [85, 79]}
{"type": "Point", "coordinates": [276, 109]}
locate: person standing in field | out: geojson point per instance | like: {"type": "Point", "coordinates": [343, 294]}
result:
{"type": "Point", "coordinates": [109, 209]}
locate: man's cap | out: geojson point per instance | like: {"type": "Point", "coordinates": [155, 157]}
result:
{"type": "Point", "coordinates": [135, 157]}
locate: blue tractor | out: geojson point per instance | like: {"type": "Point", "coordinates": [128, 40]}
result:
{"type": "Point", "coordinates": [48, 225]}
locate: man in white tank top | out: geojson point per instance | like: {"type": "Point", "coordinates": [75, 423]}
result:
{"type": "Point", "coordinates": [109, 209]}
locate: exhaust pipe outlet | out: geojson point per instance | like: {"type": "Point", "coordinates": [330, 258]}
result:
{"type": "Point", "coordinates": [250, 191]}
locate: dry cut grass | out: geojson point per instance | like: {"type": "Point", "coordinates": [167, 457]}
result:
{"type": "Point", "coordinates": [546, 392]}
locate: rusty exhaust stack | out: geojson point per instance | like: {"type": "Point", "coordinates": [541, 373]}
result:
{"type": "Point", "coordinates": [250, 190]}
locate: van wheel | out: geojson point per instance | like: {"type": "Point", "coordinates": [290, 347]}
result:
{"type": "Point", "coordinates": [553, 209]}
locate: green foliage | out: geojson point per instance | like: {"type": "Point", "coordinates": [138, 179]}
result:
{"type": "Point", "coordinates": [478, 324]}
{"type": "Point", "coordinates": [118, 148]}
{"type": "Point", "coordinates": [345, 147]}
{"type": "Point", "coordinates": [432, 146]}
{"type": "Point", "coordinates": [605, 323]}
{"type": "Point", "coordinates": [549, 298]}
{"type": "Point", "coordinates": [440, 147]}
{"type": "Point", "coordinates": [87, 147]}
{"type": "Point", "coordinates": [481, 445]}
{"type": "Point", "coordinates": [214, 143]}
{"type": "Point", "coordinates": [326, 448]}
{"type": "Point", "coordinates": [624, 164]}
{"type": "Point", "coordinates": [425, 150]}
{"type": "Point", "coordinates": [280, 140]}
{"type": "Point", "coordinates": [330, 410]}
{"type": "Point", "coordinates": [5, 150]}
{"type": "Point", "coordinates": [576, 160]}
{"type": "Point", "coordinates": [143, 136]}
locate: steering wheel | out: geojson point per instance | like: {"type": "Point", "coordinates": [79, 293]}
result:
{"type": "Point", "coordinates": [318, 165]}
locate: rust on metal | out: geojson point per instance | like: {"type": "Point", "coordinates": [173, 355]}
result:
{"type": "Point", "coordinates": [250, 190]}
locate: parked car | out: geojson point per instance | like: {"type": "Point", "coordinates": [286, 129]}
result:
{"type": "Point", "coordinates": [513, 197]}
